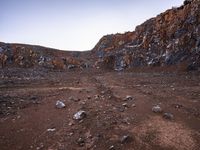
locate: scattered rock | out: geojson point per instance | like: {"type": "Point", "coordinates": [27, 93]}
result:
{"type": "Point", "coordinates": [112, 147]}
{"type": "Point", "coordinates": [71, 66]}
{"type": "Point", "coordinates": [81, 142]}
{"type": "Point", "coordinates": [96, 97]}
{"type": "Point", "coordinates": [121, 109]}
{"type": "Point", "coordinates": [41, 146]}
{"type": "Point", "coordinates": [128, 97]}
{"type": "Point", "coordinates": [125, 104]}
{"type": "Point", "coordinates": [178, 106]}
{"type": "Point", "coordinates": [80, 115]}
{"type": "Point", "coordinates": [70, 134]}
{"type": "Point", "coordinates": [34, 98]}
{"type": "Point", "coordinates": [133, 105]}
{"type": "Point", "coordinates": [60, 104]}
{"type": "Point", "coordinates": [157, 109]}
{"type": "Point", "coordinates": [168, 116]}
{"type": "Point", "coordinates": [103, 92]}
{"type": "Point", "coordinates": [71, 124]}
{"type": "Point", "coordinates": [51, 129]}
{"type": "Point", "coordinates": [71, 98]}
{"type": "Point", "coordinates": [125, 139]}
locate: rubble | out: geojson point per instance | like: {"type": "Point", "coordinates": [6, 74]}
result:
{"type": "Point", "coordinates": [157, 109]}
{"type": "Point", "coordinates": [51, 130]}
{"type": "Point", "coordinates": [168, 116]}
{"type": "Point", "coordinates": [71, 66]}
{"type": "Point", "coordinates": [112, 147]}
{"type": "Point", "coordinates": [81, 142]}
{"type": "Point", "coordinates": [128, 97]}
{"type": "Point", "coordinates": [80, 115]}
{"type": "Point", "coordinates": [125, 139]}
{"type": "Point", "coordinates": [60, 104]}
{"type": "Point", "coordinates": [125, 104]}
{"type": "Point", "coordinates": [71, 98]}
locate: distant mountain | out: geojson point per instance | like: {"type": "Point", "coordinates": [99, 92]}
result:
{"type": "Point", "coordinates": [171, 38]}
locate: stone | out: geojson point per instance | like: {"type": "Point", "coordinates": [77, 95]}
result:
{"type": "Point", "coordinates": [125, 104]}
{"type": "Point", "coordinates": [125, 139]}
{"type": "Point", "coordinates": [128, 97]}
{"type": "Point", "coordinates": [51, 130]}
{"type": "Point", "coordinates": [178, 106]}
{"type": "Point", "coordinates": [71, 66]}
{"type": "Point", "coordinates": [121, 109]}
{"type": "Point", "coordinates": [60, 104]}
{"type": "Point", "coordinates": [96, 97]}
{"type": "Point", "coordinates": [34, 98]}
{"type": "Point", "coordinates": [81, 142]}
{"type": "Point", "coordinates": [112, 147]}
{"type": "Point", "coordinates": [157, 109]}
{"type": "Point", "coordinates": [133, 105]}
{"type": "Point", "coordinates": [80, 115]}
{"type": "Point", "coordinates": [168, 116]}
{"type": "Point", "coordinates": [71, 98]}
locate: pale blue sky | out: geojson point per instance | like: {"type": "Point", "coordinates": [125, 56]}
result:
{"type": "Point", "coordinates": [73, 24]}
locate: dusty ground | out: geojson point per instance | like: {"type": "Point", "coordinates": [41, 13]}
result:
{"type": "Point", "coordinates": [27, 110]}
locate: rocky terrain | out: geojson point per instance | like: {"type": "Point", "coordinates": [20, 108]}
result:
{"type": "Point", "coordinates": [171, 38]}
{"type": "Point", "coordinates": [134, 91]}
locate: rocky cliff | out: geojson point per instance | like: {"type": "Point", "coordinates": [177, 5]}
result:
{"type": "Point", "coordinates": [171, 38]}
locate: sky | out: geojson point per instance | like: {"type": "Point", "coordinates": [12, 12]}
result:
{"type": "Point", "coordinates": [73, 24]}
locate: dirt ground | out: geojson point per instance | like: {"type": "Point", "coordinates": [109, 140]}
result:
{"type": "Point", "coordinates": [29, 118]}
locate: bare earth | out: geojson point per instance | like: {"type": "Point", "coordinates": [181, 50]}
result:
{"type": "Point", "coordinates": [27, 110]}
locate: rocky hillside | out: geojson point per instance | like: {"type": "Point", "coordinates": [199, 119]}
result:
{"type": "Point", "coordinates": [173, 37]}
{"type": "Point", "coordinates": [27, 56]}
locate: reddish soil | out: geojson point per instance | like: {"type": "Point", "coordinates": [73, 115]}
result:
{"type": "Point", "coordinates": [27, 110]}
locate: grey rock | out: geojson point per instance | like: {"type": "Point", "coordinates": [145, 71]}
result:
{"type": "Point", "coordinates": [125, 104]}
{"type": "Point", "coordinates": [168, 116]}
{"type": "Point", "coordinates": [81, 142]}
{"type": "Point", "coordinates": [51, 130]}
{"type": "Point", "coordinates": [125, 139]}
{"type": "Point", "coordinates": [157, 109]}
{"type": "Point", "coordinates": [112, 147]}
{"type": "Point", "coordinates": [133, 105]}
{"type": "Point", "coordinates": [71, 66]}
{"type": "Point", "coordinates": [80, 115]}
{"type": "Point", "coordinates": [128, 97]}
{"type": "Point", "coordinates": [71, 98]}
{"type": "Point", "coordinates": [60, 104]}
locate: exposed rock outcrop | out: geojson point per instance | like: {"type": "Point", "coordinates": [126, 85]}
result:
{"type": "Point", "coordinates": [173, 37]}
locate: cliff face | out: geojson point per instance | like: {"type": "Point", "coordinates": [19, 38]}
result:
{"type": "Point", "coordinates": [172, 37]}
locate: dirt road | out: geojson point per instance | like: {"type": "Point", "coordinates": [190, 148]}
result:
{"type": "Point", "coordinates": [118, 107]}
